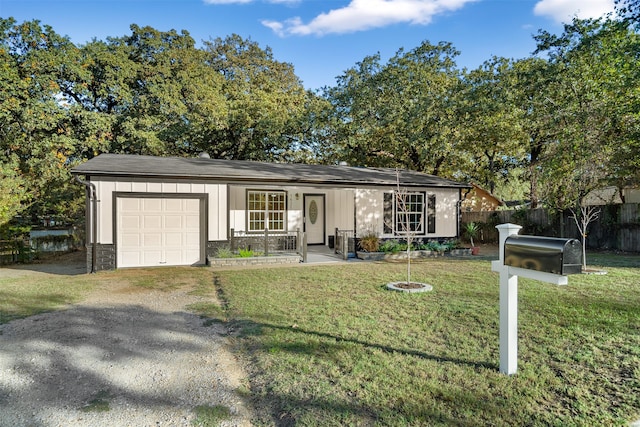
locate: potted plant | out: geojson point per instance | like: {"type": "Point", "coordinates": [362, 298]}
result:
{"type": "Point", "coordinates": [472, 230]}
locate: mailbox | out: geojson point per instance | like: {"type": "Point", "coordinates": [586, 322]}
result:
{"type": "Point", "coordinates": [548, 254]}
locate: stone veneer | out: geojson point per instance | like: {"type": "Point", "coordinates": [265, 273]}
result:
{"type": "Point", "coordinates": [105, 257]}
{"type": "Point", "coordinates": [256, 260]}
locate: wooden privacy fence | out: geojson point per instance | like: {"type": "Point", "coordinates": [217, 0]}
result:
{"type": "Point", "coordinates": [616, 228]}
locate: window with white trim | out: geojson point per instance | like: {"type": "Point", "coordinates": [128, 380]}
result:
{"type": "Point", "coordinates": [266, 210]}
{"type": "Point", "coordinates": [408, 212]}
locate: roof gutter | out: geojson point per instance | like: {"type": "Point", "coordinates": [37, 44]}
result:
{"type": "Point", "coordinates": [92, 218]}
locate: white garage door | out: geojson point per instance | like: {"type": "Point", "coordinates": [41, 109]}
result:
{"type": "Point", "coordinates": [158, 231]}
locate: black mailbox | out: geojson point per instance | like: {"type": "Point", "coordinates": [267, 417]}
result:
{"type": "Point", "coordinates": [548, 254]}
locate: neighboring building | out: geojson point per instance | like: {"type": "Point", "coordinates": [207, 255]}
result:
{"type": "Point", "coordinates": [479, 200]}
{"type": "Point", "coordinates": [149, 211]}
{"type": "Point", "coordinates": [611, 196]}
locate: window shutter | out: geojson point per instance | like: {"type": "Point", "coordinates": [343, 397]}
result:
{"type": "Point", "coordinates": [387, 216]}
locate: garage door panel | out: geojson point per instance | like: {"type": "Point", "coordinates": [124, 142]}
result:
{"type": "Point", "coordinates": [174, 205]}
{"type": "Point", "coordinates": [130, 222]}
{"type": "Point", "coordinates": [131, 240]}
{"type": "Point", "coordinates": [192, 221]}
{"type": "Point", "coordinates": [132, 205]}
{"type": "Point", "coordinates": [157, 231]}
{"type": "Point", "coordinates": [130, 258]}
{"type": "Point", "coordinates": [151, 205]}
{"type": "Point", "coordinates": [152, 239]}
{"type": "Point", "coordinates": [173, 240]}
{"type": "Point", "coordinates": [152, 222]}
{"type": "Point", "coordinates": [151, 258]}
{"type": "Point", "coordinates": [192, 239]}
{"type": "Point", "coordinates": [173, 221]}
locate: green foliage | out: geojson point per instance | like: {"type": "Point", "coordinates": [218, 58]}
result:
{"type": "Point", "coordinates": [391, 246]}
{"type": "Point", "coordinates": [13, 193]}
{"type": "Point", "coordinates": [549, 128]}
{"type": "Point", "coordinates": [245, 253]}
{"type": "Point", "coordinates": [224, 252]}
{"type": "Point", "coordinates": [399, 114]}
{"type": "Point", "coordinates": [471, 229]}
{"type": "Point", "coordinates": [211, 416]}
{"type": "Point", "coordinates": [99, 403]}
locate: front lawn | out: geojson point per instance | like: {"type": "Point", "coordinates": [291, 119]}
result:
{"type": "Point", "coordinates": [328, 345]}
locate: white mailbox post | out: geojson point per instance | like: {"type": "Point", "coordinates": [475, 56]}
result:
{"type": "Point", "coordinates": [509, 299]}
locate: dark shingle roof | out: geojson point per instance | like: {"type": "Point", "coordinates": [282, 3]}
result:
{"type": "Point", "coordinates": [122, 165]}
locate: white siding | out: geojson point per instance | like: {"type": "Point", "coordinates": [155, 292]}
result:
{"type": "Point", "coordinates": [227, 206]}
{"type": "Point", "coordinates": [370, 209]}
{"type": "Point", "coordinates": [340, 210]}
{"type": "Point", "coordinates": [217, 211]}
{"type": "Point", "coordinates": [217, 202]}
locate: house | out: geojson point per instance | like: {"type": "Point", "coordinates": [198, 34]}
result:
{"type": "Point", "coordinates": [150, 211]}
{"type": "Point", "coordinates": [479, 200]}
{"type": "Point", "coordinates": [612, 196]}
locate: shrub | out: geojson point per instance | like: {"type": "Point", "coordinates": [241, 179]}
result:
{"type": "Point", "coordinates": [224, 253]}
{"type": "Point", "coordinates": [369, 242]}
{"type": "Point", "coordinates": [245, 253]}
{"type": "Point", "coordinates": [391, 246]}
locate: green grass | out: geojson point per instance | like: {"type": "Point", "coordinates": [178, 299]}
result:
{"type": "Point", "coordinates": [27, 296]}
{"type": "Point", "coordinates": [211, 416]}
{"type": "Point", "coordinates": [328, 345]}
{"type": "Point", "coordinates": [99, 403]}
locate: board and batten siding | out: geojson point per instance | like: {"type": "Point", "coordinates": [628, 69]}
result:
{"type": "Point", "coordinates": [339, 209]}
{"type": "Point", "coordinates": [216, 200]}
{"type": "Point", "coordinates": [370, 211]}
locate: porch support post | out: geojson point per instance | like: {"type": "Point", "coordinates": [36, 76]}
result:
{"type": "Point", "coordinates": [304, 247]}
{"type": "Point", "coordinates": [345, 246]}
{"type": "Point", "coordinates": [232, 234]}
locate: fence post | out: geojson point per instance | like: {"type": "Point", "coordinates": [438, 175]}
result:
{"type": "Point", "coordinates": [304, 247]}
{"type": "Point", "coordinates": [335, 242]}
{"type": "Point", "coordinates": [345, 246]}
{"type": "Point", "coordinates": [231, 241]}
{"type": "Point", "coordinates": [298, 242]}
{"type": "Point", "coordinates": [266, 242]}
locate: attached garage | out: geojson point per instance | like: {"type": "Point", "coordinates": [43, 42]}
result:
{"type": "Point", "coordinates": [159, 230]}
{"type": "Point", "coordinates": [146, 211]}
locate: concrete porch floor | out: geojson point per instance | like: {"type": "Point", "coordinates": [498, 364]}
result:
{"type": "Point", "coordinates": [317, 254]}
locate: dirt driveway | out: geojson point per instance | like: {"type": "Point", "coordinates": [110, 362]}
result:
{"type": "Point", "coordinates": [122, 357]}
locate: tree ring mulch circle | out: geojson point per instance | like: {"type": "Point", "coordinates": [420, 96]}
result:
{"type": "Point", "coordinates": [409, 287]}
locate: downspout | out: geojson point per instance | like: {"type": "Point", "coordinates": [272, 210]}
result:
{"type": "Point", "coordinates": [92, 219]}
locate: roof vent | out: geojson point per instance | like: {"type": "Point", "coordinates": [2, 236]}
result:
{"type": "Point", "coordinates": [204, 155]}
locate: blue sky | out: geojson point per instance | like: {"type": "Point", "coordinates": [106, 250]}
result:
{"type": "Point", "coordinates": [323, 38]}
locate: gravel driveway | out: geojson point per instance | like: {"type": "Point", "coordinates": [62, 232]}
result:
{"type": "Point", "coordinates": [123, 357]}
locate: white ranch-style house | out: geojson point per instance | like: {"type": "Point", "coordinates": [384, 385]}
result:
{"type": "Point", "coordinates": [156, 211]}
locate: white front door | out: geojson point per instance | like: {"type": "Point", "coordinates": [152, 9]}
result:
{"type": "Point", "coordinates": [154, 231]}
{"type": "Point", "coordinates": [314, 218]}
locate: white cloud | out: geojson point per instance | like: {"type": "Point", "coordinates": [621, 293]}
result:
{"type": "Point", "coordinates": [360, 15]}
{"type": "Point", "coordinates": [566, 10]}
